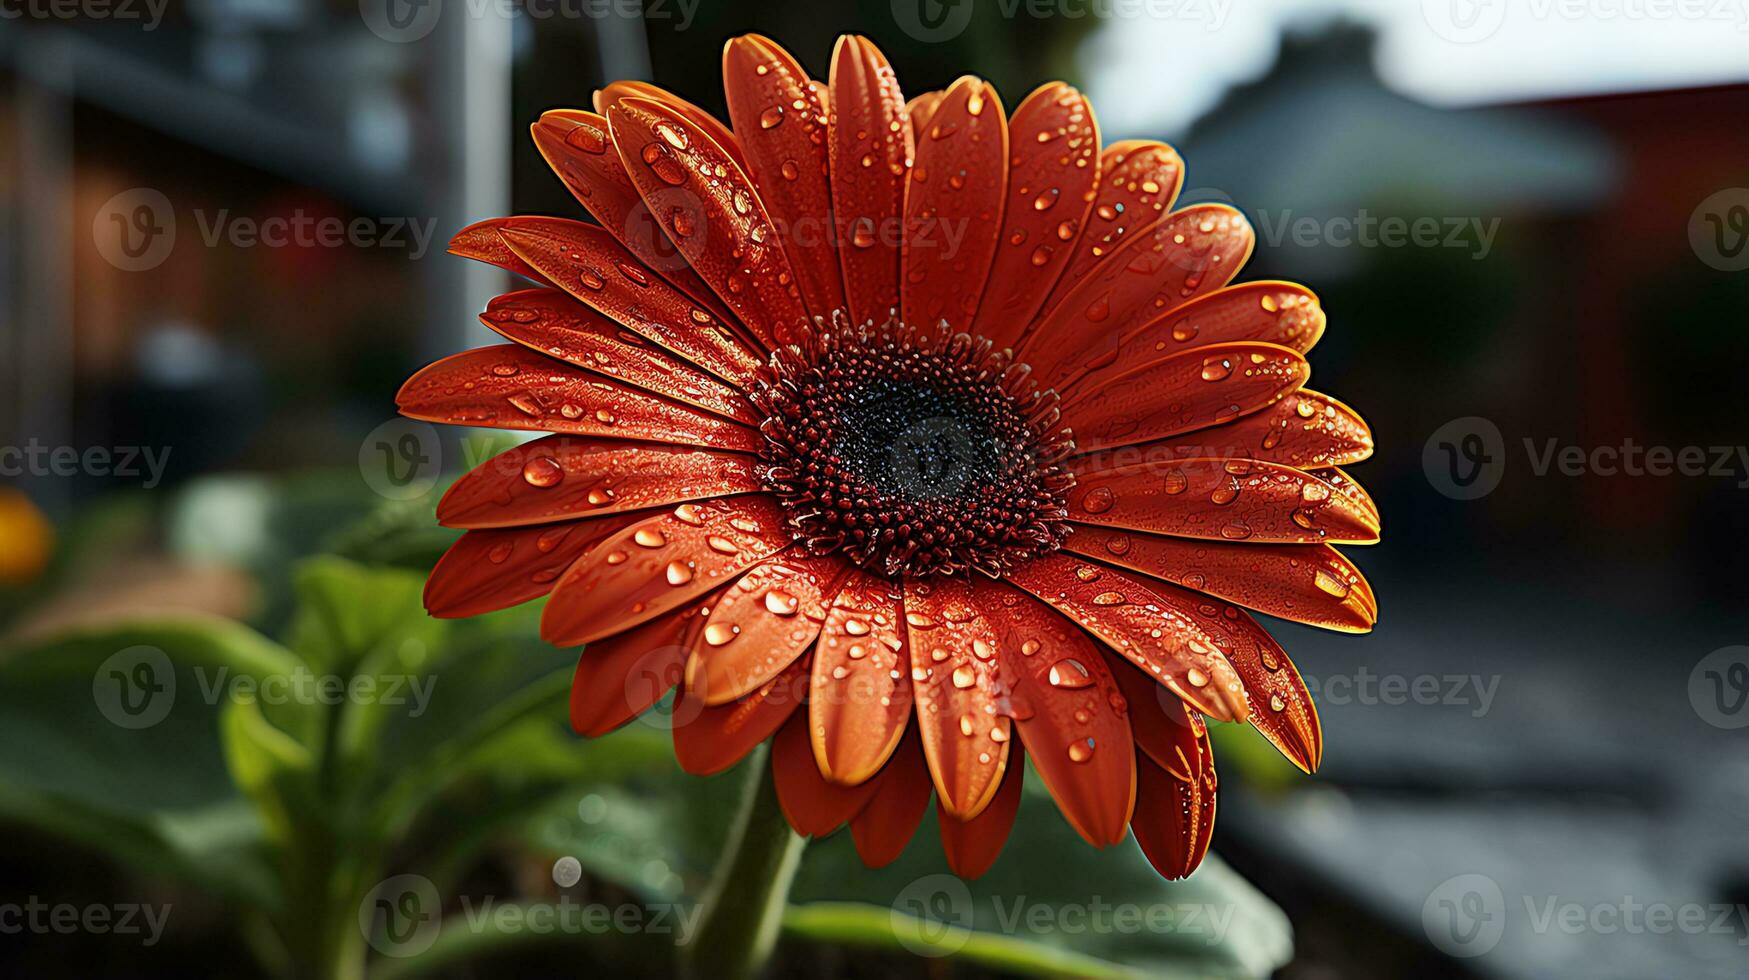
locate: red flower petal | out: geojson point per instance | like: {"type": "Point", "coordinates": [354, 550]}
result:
{"type": "Point", "coordinates": [1145, 399]}
{"type": "Point", "coordinates": [553, 323]}
{"type": "Point", "coordinates": [780, 116]}
{"type": "Point", "coordinates": [960, 699]}
{"type": "Point", "coordinates": [1305, 430]}
{"type": "Point", "coordinates": [1279, 313]}
{"type": "Point", "coordinates": [660, 563]}
{"type": "Point", "coordinates": [495, 569]}
{"type": "Point", "coordinates": [921, 108]}
{"type": "Point", "coordinates": [972, 845]}
{"type": "Point", "coordinates": [512, 387]}
{"type": "Point", "coordinates": [1281, 707]}
{"type": "Point", "coordinates": [813, 806]}
{"type": "Point", "coordinates": [1128, 616]}
{"type": "Point", "coordinates": [895, 808]}
{"type": "Point", "coordinates": [562, 477]}
{"type": "Point", "coordinates": [1220, 500]}
{"type": "Point", "coordinates": [1345, 485]}
{"type": "Point", "coordinates": [764, 624]}
{"type": "Point", "coordinates": [709, 739]}
{"type": "Point", "coordinates": [1055, 143]}
{"type": "Point", "coordinates": [614, 93]}
{"type": "Point", "coordinates": [953, 206]}
{"type": "Point", "coordinates": [859, 700]}
{"type": "Point", "coordinates": [1175, 813]}
{"type": "Point", "coordinates": [869, 137]}
{"type": "Point", "coordinates": [587, 263]}
{"type": "Point", "coordinates": [1311, 584]}
{"type": "Point", "coordinates": [621, 677]}
{"type": "Point", "coordinates": [1071, 716]}
{"type": "Point", "coordinates": [706, 203]}
{"type": "Point", "coordinates": [579, 149]}
{"type": "Point", "coordinates": [481, 242]}
{"type": "Point", "coordinates": [1138, 181]}
{"type": "Point", "coordinates": [1188, 253]}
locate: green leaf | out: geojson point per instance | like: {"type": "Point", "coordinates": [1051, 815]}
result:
{"type": "Point", "coordinates": [271, 767]}
{"type": "Point", "coordinates": [862, 926]}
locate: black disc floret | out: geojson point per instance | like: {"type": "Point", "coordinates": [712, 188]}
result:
{"type": "Point", "coordinates": [913, 451]}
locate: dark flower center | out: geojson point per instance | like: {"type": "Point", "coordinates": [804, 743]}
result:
{"type": "Point", "coordinates": [913, 451]}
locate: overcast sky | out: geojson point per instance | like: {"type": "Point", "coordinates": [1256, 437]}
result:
{"type": "Point", "coordinates": [1155, 65]}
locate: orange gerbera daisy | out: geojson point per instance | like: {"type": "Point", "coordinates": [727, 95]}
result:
{"type": "Point", "coordinates": [892, 431]}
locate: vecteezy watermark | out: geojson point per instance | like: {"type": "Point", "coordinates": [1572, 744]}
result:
{"type": "Point", "coordinates": [1718, 230]}
{"type": "Point", "coordinates": [119, 462]}
{"type": "Point", "coordinates": [135, 230]}
{"type": "Point", "coordinates": [401, 459]}
{"type": "Point", "coordinates": [933, 916]}
{"type": "Point", "coordinates": [403, 915]}
{"type": "Point", "coordinates": [1363, 687]}
{"type": "Point", "coordinates": [1364, 229]}
{"type": "Point", "coordinates": [1466, 916]}
{"type": "Point", "coordinates": [136, 688]}
{"type": "Point", "coordinates": [33, 915]}
{"type": "Point", "coordinates": [147, 13]}
{"type": "Point", "coordinates": [933, 21]}
{"type": "Point", "coordinates": [1465, 459]}
{"type": "Point", "coordinates": [405, 21]}
{"type": "Point", "coordinates": [1470, 21]}
{"type": "Point", "coordinates": [1718, 688]}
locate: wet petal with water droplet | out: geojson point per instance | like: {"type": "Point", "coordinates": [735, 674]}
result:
{"type": "Point", "coordinates": [1175, 809]}
{"type": "Point", "coordinates": [579, 149]}
{"type": "Point", "coordinates": [670, 562]}
{"type": "Point", "coordinates": [1138, 181]}
{"type": "Point", "coordinates": [958, 185]}
{"type": "Point", "coordinates": [1305, 430]}
{"type": "Point", "coordinates": [1268, 312]}
{"type": "Point", "coordinates": [1160, 640]}
{"type": "Point", "coordinates": [972, 845]}
{"type": "Point", "coordinates": [1281, 706]}
{"type": "Point", "coordinates": [1067, 165]}
{"type": "Point", "coordinates": [548, 395]}
{"type": "Point", "coordinates": [613, 93]}
{"type": "Point", "coordinates": [811, 804]}
{"type": "Point", "coordinates": [1078, 736]}
{"type": "Point", "coordinates": [1223, 499]}
{"type": "Point", "coordinates": [1342, 483]}
{"type": "Point", "coordinates": [493, 569]}
{"type": "Point", "coordinates": [960, 697]}
{"type": "Point", "coordinates": [747, 641]}
{"type": "Point", "coordinates": [860, 700]}
{"type": "Point", "coordinates": [593, 476]}
{"type": "Point", "coordinates": [868, 121]}
{"type": "Point", "coordinates": [896, 807]}
{"type": "Point", "coordinates": [553, 323]}
{"type": "Point", "coordinates": [588, 264]}
{"type": "Point", "coordinates": [619, 678]}
{"type": "Point", "coordinates": [1188, 253]}
{"type": "Point", "coordinates": [733, 246]}
{"type": "Point", "coordinates": [1153, 395]}
{"type": "Point", "coordinates": [787, 161]}
{"type": "Point", "coordinates": [709, 739]}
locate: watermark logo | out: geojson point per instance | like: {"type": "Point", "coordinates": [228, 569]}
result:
{"type": "Point", "coordinates": [1718, 230]}
{"type": "Point", "coordinates": [401, 916]}
{"type": "Point", "coordinates": [1464, 21]}
{"type": "Point", "coordinates": [927, 912]}
{"type": "Point", "coordinates": [1465, 916]}
{"type": "Point", "coordinates": [1465, 458]}
{"type": "Point", "coordinates": [135, 688]}
{"type": "Point", "coordinates": [1718, 688]}
{"type": "Point", "coordinates": [147, 13]}
{"type": "Point", "coordinates": [401, 459]}
{"type": "Point", "coordinates": [38, 917]}
{"type": "Point", "coordinates": [135, 230]}
{"type": "Point", "coordinates": [400, 21]}
{"type": "Point", "coordinates": [932, 21]}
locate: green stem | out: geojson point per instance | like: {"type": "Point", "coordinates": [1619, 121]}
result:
{"type": "Point", "coordinates": [743, 911]}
